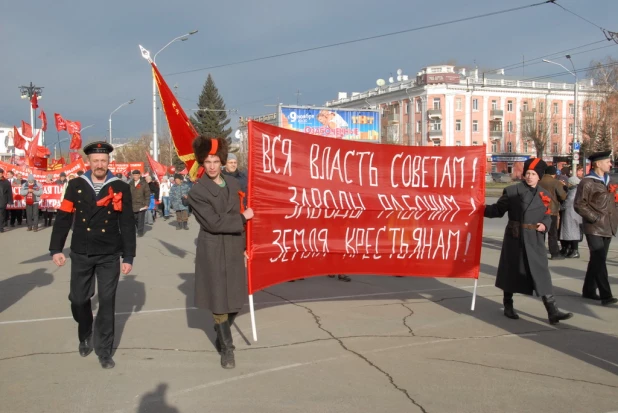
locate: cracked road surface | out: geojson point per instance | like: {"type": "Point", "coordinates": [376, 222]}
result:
{"type": "Point", "coordinates": [377, 344]}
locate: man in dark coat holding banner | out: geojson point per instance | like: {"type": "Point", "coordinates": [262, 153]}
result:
{"type": "Point", "coordinates": [6, 197]}
{"type": "Point", "coordinates": [104, 231]}
{"type": "Point", "coordinates": [523, 264]}
{"type": "Point", "coordinates": [220, 282]}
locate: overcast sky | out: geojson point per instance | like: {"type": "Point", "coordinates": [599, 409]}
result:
{"type": "Point", "coordinates": [85, 53]}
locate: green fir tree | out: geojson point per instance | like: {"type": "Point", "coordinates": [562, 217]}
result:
{"type": "Point", "coordinates": [211, 120]}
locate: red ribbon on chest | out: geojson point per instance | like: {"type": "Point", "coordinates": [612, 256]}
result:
{"type": "Point", "coordinates": [546, 201]}
{"type": "Point", "coordinates": [115, 198]}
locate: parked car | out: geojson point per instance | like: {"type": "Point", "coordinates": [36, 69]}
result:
{"type": "Point", "coordinates": [502, 178]}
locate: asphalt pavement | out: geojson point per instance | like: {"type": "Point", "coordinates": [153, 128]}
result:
{"type": "Point", "coordinates": [376, 344]}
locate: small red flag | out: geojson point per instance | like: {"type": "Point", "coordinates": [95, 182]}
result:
{"type": "Point", "coordinates": [26, 129]}
{"type": "Point", "coordinates": [33, 149]}
{"type": "Point", "coordinates": [60, 122]}
{"type": "Point", "coordinates": [18, 140]}
{"type": "Point", "coordinates": [43, 118]}
{"type": "Point", "coordinates": [159, 169]}
{"type": "Point", "coordinates": [34, 101]}
{"type": "Point", "coordinates": [73, 127]}
{"type": "Point", "coordinates": [75, 156]}
{"type": "Point", "coordinates": [76, 141]}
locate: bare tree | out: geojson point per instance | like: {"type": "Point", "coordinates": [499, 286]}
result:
{"type": "Point", "coordinates": [536, 126]}
{"type": "Point", "coordinates": [600, 113]}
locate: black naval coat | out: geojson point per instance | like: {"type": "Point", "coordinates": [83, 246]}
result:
{"type": "Point", "coordinates": [104, 224]}
{"type": "Point", "coordinates": [523, 264]}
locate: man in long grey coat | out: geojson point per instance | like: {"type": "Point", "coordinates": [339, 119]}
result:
{"type": "Point", "coordinates": [220, 284]}
{"type": "Point", "coordinates": [523, 264]}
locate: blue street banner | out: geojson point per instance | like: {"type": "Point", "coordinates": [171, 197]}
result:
{"type": "Point", "coordinates": [357, 125]}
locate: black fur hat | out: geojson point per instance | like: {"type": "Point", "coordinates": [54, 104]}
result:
{"type": "Point", "coordinates": [204, 146]}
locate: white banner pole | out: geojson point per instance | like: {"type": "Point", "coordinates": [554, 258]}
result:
{"type": "Point", "coordinates": [252, 311]}
{"type": "Point", "coordinates": [474, 294]}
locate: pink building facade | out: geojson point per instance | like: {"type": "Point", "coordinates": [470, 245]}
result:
{"type": "Point", "coordinates": [445, 107]}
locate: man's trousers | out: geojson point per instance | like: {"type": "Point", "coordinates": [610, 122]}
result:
{"type": "Point", "coordinates": [83, 271]}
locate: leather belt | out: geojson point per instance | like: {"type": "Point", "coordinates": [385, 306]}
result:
{"type": "Point", "coordinates": [529, 226]}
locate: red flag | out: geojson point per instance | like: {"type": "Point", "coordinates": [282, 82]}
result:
{"type": "Point", "coordinates": [76, 141]}
{"type": "Point", "coordinates": [32, 150]}
{"type": "Point", "coordinates": [180, 125]}
{"type": "Point", "coordinates": [43, 118]}
{"type": "Point", "coordinates": [60, 122]}
{"type": "Point", "coordinates": [18, 140]}
{"type": "Point", "coordinates": [75, 156]}
{"type": "Point", "coordinates": [73, 127]}
{"type": "Point", "coordinates": [26, 129]}
{"type": "Point", "coordinates": [159, 169]}
{"type": "Point", "coordinates": [34, 101]}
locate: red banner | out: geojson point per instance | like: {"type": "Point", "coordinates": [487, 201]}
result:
{"type": "Point", "coordinates": [76, 141]}
{"type": "Point", "coordinates": [126, 168]}
{"type": "Point", "coordinates": [331, 206]}
{"type": "Point", "coordinates": [19, 141]}
{"type": "Point", "coordinates": [50, 199]}
{"type": "Point", "coordinates": [40, 175]}
{"type": "Point", "coordinates": [26, 129]}
{"type": "Point", "coordinates": [60, 122]}
{"type": "Point", "coordinates": [159, 169]}
{"type": "Point", "coordinates": [43, 118]}
{"type": "Point", "coordinates": [73, 127]}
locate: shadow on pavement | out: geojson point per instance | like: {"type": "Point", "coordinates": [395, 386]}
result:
{"type": "Point", "coordinates": [196, 318]}
{"type": "Point", "coordinates": [179, 252]}
{"type": "Point", "coordinates": [15, 288]}
{"type": "Point", "coordinates": [155, 401]}
{"type": "Point", "coordinates": [130, 298]}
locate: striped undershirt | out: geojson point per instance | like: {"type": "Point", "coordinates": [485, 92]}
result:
{"type": "Point", "coordinates": [97, 187]}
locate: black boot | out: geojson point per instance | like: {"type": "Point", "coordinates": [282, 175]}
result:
{"type": "Point", "coordinates": [573, 254]}
{"type": "Point", "coordinates": [85, 347]}
{"type": "Point", "coordinates": [217, 341]}
{"type": "Point", "coordinates": [179, 225]}
{"type": "Point", "coordinates": [553, 313]}
{"type": "Point", "coordinates": [564, 251]}
{"type": "Point", "coordinates": [185, 225]}
{"type": "Point", "coordinates": [224, 334]}
{"type": "Point", "coordinates": [509, 311]}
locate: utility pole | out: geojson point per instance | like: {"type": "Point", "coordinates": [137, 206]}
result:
{"type": "Point", "coordinates": [298, 96]}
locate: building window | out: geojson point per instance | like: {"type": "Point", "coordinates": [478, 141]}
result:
{"type": "Point", "coordinates": [570, 128]}
{"type": "Point", "coordinates": [475, 143]}
{"type": "Point", "coordinates": [541, 128]}
{"type": "Point", "coordinates": [525, 107]}
{"type": "Point", "coordinates": [494, 105]}
{"type": "Point", "coordinates": [419, 103]}
{"type": "Point", "coordinates": [509, 106]}
{"type": "Point", "coordinates": [436, 125]}
{"type": "Point", "coordinates": [436, 103]}
{"type": "Point", "coordinates": [405, 109]}
{"type": "Point", "coordinates": [555, 108]}
{"type": "Point", "coordinates": [457, 143]}
{"type": "Point", "coordinates": [525, 146]}
{"type": "Point", "coordinates": [571, 109]}
{"type": "Point", "coordinates": [395, 109]}
{"type": "Point", "coordinates": [458, 104]}
{"type": "Point", "coordinates": [541, 107]}
{"type": "Point", "coordinates": [475, 126]}
{"type": "Point", "coordinates": [555, 147]}
{"type": "Point", "coordinates": [509, 126]}
{"type": "Point", "coordinates": [458, 125]}
{"type": "Point", "coordinates": [475, 104]}
{"type": "Point", "coordinates": [494, 147]}
{"type": "Point", "coordinates": [589, 110]}
{"type": "Point", "coordinates": [407, 128]}
{"type": "Point", "coordinates": [436, 142]}
{"type": "Point", "coordinates": [418, 126]}
{"type": "Point", "coordinates": [509, 147]}
{"type": "Point", "coordinates": [555, 128]}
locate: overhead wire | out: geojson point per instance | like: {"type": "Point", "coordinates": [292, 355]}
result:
{"type": "Point", "coordinates": [363, 39]}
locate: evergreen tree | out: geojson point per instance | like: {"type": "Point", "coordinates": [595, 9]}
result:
{"type": "Point", "coordinates": [212, 120]}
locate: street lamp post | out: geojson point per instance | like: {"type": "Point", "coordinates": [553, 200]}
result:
{"type": "Point", "coordinates": [26, 93]}
{"type": "Point", "coordinates": [155, 137]}
{"type": "Point", "coordinates": [110, 117]}
{"type": "Point", "coordinates": [575, 116]}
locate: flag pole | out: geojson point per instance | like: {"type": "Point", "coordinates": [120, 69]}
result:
{"type": "Point", "coordinates": [476, 282]}
{"type": "Point", "coordinates": [249, 226]}
{"type": "Point", "coordinates": [252, 312]}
